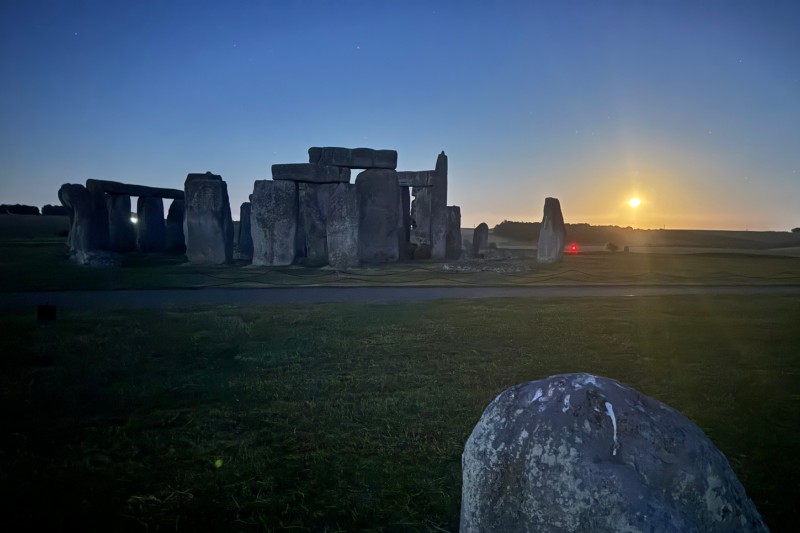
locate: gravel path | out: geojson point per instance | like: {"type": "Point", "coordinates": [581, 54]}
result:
{"type": "Point", "coordinates": [138, 299]}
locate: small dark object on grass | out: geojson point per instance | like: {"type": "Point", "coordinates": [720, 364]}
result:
{"type": "Point", "coordinates": [611, 247]}
{"type": "Point", "coordinates": [46, 313]}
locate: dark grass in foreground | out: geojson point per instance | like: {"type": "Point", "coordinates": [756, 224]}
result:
{"type": "Point", "coordinates": [354, 416]}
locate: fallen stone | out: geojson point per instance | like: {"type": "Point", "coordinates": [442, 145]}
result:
{"type": "Point", "coordinates": [353, 157]}
{"type": "Point", "coordinates": [312, 204]}
{"type": "Point", "coordinates": [480, 239]}
{"type": "Point", "coordinates": [244, 241]}
{"type": "Point", "coordinates": [552, 234]}
{"type": "Point", "coordinates": [96, 258]}
{"type": "Point", "coordinates": [88, 219]}
{"type": "Point", "coordinates": [151, 235]}
{"type": "Point", "coordinates": [343, 223]}
{"type": "Point", "coordinates": [208, 225]}
{"type": "Point", "coordinates": [577, 452]}
{"type": "Point", "coordinates": [420, 178]}
{"type": "Point", "coordinates": [379, 210]}
{"type": "Point", "coordinates": [273, 222]}
{"type": "Point", "coordinates": [310, 173]}
{"type": "Point", "coordinates": [453, 237]}
{"type": "Point", "coordinates": [175, 239]}
{"type": "Point", "coordinates": [121, 230]}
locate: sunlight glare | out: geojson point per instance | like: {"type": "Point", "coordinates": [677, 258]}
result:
{"type": "Point", "coordinates": [634, 202]}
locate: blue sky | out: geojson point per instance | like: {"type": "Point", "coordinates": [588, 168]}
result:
{"type": "Point", "coordinates": [692, 106]}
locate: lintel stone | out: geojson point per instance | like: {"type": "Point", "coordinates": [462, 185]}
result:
{"type": "Point", "coordinates": [310, 173]}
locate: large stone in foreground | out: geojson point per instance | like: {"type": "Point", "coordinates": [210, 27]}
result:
{"type": "Point", "coordinates": [353, 157]}
{"type": "Point", "coordinates": [273, 222]}
{"type": "Point", "coordinates": [379, 206]}
{"type": "Point", "coordinates": [208, 224]}
{"type": "Point", "coordinates": [552, 233]}
{"type": "Point", "coordinates": [310, 173]}
{"type": "Point", "coordinates": [121, 231]}
{"type": "Point", "coordinates": [577, 452]}
{"type": "Point", "coordinates": [343, 221]}
{"type": "Point", "coordinates": [151, 235]}
{"type": "Point", "coordinates": [420, 233]}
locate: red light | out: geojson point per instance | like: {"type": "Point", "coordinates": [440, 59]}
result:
{"type": "Point", "coordinates": [573, 248]}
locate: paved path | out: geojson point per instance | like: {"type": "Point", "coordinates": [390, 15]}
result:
{"type": "Point", "coordinates": [132, 299]}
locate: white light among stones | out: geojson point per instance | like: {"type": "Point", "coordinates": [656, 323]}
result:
{"type": "Point", "coordinates": [134, 220]}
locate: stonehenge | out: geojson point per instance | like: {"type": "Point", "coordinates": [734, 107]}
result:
{"type": "Point", "coordinates": [307, 214]}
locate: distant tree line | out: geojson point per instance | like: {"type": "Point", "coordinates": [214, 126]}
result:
{"type": "Point", "coordinates": [19, 209]}
{"type": "Point", "coordinates": [585, 233]}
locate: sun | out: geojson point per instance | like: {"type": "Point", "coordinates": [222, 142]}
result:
{"type": "Point", "coordinates": [634, 202]}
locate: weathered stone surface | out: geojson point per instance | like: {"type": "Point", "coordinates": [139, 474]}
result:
{"type": "Point", "coordinates": [208, 225]}
{"type": "Point", "coordinates": [151, 232]}
{"type": "Point", "coordinates": [115, 187]}
{"type": "Point", "coordinates": [405, 223]}
{"type": "Point", "coordinates": [353, 157]}
{"type": "Point", "coordinates": [313, 204]}
{"type": "Point", "coordinates": [577, 452]}
{"type": "Point", "coordinates": [453, 237]}
{"type": "Point", "coordinates": [310, 173]}
{"type": "Point", "coordinates": [88, 219]}
{"type": "Point", "coordinates": [439, 209]}
{"type": "Point", "coordinates": [176, 240]}
{"type": "Point", "coordinates": [552, 234]}
{"type": "Point", "coordinates": [422, 251]}
{"type": "Point", "coordinates": [421, 216]}
{"type": "Point", "coordinates": [121, 231]}
{"type": "Point", "coordinates": [379, 210]}
{"type": "Point", "coordinates": [419, 178]}
{"type": "Point", "coordinates": [480, 239]}
{"type": "Point", "coordinates": [244, 242]}
{"type": "Point", "coordinates": [343, 223]}
{"type": "Point", "coordinates": [273, 222]}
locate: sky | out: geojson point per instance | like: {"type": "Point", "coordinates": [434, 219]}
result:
{"type": "Point", "coordinates": [693, 107]}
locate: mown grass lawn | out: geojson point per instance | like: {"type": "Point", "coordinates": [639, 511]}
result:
{"type": "Point", "coordinates": [353, 416]}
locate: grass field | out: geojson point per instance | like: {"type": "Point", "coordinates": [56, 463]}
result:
{"type": "Point", "coordinates": [353, 416]}
{"type": "Point", "coordinates": [42, 264]}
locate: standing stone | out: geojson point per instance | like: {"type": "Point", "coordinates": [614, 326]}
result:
{"type": "Point", "coordinates": [245, 238]}
{"type": "Point", "coordinates": [273, 222]}
{"type": "Point", "coordinates": [480, 239]}
{"type": "Point", "coordinates": [453, 232]}
{"type": "Point", "coordinates": [552, 234]}
{"type": "Point", "coordinates": [439, 209]}
{"type": "Point", "coordinates": [421, 216]}
{"type": "Point", "coordinates": [379, 210]}
{"type": "Point", "coordinates": [577, 452]}
{"type": "Point", "coordinates": [312, 205]}
{"type": "Point", "coordinates": [151, 232]}
{"type": "Point", "coordinates": [89, 227]}
{"type": "Point", "coordinates": [100, 208]}
{"type": "Point", "coordinates": [121, 231]}
{"type": "Point", "coordinates": [405, 222]}
{"type": "Point", "coordinates": [208, 224]}
{"type": "Point", "coordinates": [176, 240]}
{"type": "Point", "coordinates": [343, 222]}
